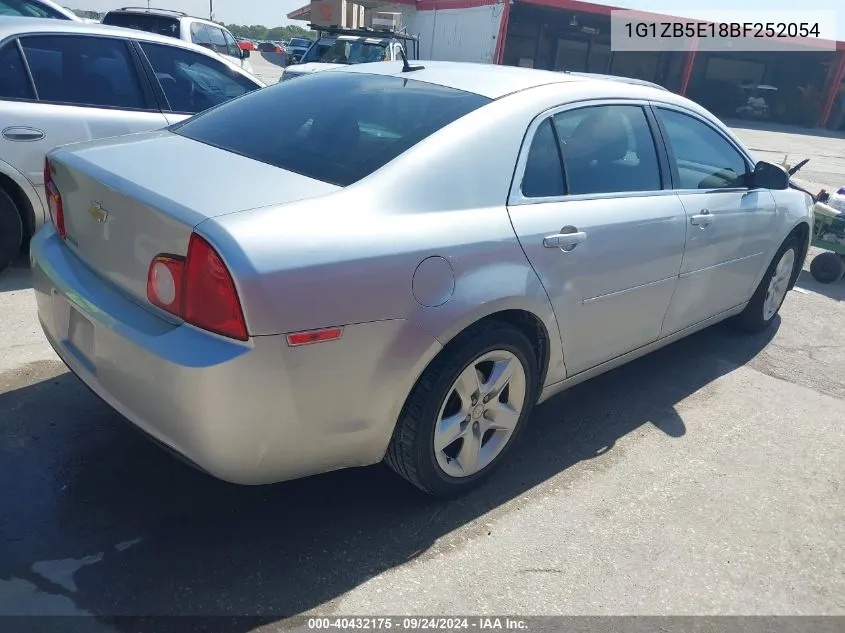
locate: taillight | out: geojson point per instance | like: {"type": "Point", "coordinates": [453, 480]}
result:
{"type": "Point", "coordinates": [198, 289]}
{"type": "Point", "coordinates": [164, 283]}
{"type": "Point", "coordinates": [54, 200]}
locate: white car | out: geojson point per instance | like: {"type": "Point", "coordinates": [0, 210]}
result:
{"type": "Point", "coordinates": [36, 9]}
{"type": "Point", "coordinates": [185, 27]}
{"type": "Point", "coordinates": [68, 81]}
{"type": "Point", "coordinates": [336, 48]}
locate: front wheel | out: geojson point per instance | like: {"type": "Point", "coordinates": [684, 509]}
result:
{"type": "Point", "coordinates": [466, 410]}
{"type": "Point", "coordinates": [769, 296]}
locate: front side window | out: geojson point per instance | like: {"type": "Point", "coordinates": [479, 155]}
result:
{"type": "Point", "coordinates": [83, 70]}
{"type": "Point", "coordinates": [704, 158]}
{"type": "Point", "coordinates": [607, 149]}
{"type": "Point", "coordinates": [218, 42]}
{"type": "Point", "coordinates": [200, 35]}
{"type": "Point", "coordinates": [231, 45]}
{"type": "Point", "coordinates": [14, 84]}
{"type": "Point", "coordinates": [543, 175]}
{"type": "Point", "coordinates": [193, 82]}
{"type": "Point", "coordinates": [26, 8]}
{"type": "Point", "coordinates": [334, 127]}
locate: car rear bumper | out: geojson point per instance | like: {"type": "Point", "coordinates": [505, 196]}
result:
{"type": "Point", "coordinates": [249, 413]}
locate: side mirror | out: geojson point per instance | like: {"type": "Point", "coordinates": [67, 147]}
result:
{"type": "Point", "coordinates": [245, 53]}
{"type": "Point", "coordinates": [768, 176]}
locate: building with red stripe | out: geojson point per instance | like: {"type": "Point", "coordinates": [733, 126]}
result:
{"type": "Point", "coordinates": [573, 35]}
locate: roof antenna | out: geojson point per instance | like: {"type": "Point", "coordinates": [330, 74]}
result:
{"type": "Point", "coordinates": [406, 67]}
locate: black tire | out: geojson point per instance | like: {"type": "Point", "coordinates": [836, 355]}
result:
{"type": "Point", "coordinates": [411, 451]}
{"type": "Point", "coordinates": [827, 267]}
{"type": "Point", "coordinates": [752, 318]}
{"type": "Point", "coordinates": [11, 231]}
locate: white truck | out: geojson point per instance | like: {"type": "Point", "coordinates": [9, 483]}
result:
{"type": "Point", "coordinates": [339, 47]}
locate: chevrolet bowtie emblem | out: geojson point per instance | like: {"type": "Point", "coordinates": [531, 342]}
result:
{"type": "Point", "coordinates": [97, 212]}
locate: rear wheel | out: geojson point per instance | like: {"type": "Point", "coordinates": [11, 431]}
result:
{"type": "Point", "coordinates": [466, 410]}
{"type": "Point", "coordinates": [769, 296]}
{"type": "Point", "coordinates": [11, 231]}
{"type": "Point", "coordinates": [827, 267]}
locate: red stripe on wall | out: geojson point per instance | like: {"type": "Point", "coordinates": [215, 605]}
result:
{"type": "Point", "coordinates": [832, 89]}
{"type": "Point", "coordinates": [499, 55]}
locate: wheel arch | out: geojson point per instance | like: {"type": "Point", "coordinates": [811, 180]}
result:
{"type": "Point", "coordinates": [22, 194]}
{"type": "Point", "coordinates": [536, 322]}
{"type": "Point", "coordinates": [802, 232]}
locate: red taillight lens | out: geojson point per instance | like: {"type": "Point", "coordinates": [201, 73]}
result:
{"type": "Point", "coordinates": [54, 200]}
{"type": "Point", "coordinates": [198, 289]}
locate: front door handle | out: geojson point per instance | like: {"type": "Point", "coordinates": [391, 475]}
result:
{"type": "Point", "coordinates": [564, 241]}
{"type": "Point", "coordinates": [703, 219]}
{"type": "Point", "coordinates": [23, 134]}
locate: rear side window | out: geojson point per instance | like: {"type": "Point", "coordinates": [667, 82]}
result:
{"type": "Point", "coordinates": [14, 84]}
{"type": "Point", "coordinates": [543, 175]}
{"type": "Point", "coordinates": [193, 82]}
{"type": "Point", "coordinates": [83, 70]}
{"type": "Point", "coordinates": [27, 8]}
{"type": "Point", "coordinates": [160, 24]}
{"type": "Point", "coordinates": [607, 149]}
{"type": "Point", "coordinates": [332, 126]}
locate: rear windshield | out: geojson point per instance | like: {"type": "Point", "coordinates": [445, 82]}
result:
{"type": "Point", "coordinates": [298, 42]}
{"type": "Point", "coordinates": [344, 51]}
{"type": "Point", "coordinates": [160, 24]}
{"type": "Point", "coordinates": [332, 126]}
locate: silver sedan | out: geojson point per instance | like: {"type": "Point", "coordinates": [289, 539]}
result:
{"type": "Point", "coordinates": [396, 263]}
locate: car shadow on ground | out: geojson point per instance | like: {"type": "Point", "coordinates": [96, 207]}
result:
{"type": "Point", "coordinates": [835, 290]}
{"type": "Point", "coordinates": [80, 485]}
{"type": "Point", "coordinates": [18, 276]}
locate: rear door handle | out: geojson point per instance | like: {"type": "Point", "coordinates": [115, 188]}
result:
{"type": "Point", "coordinates": [703, 219]}
{"type": "Point", "coordinates": [564, 241]}
{"type": "Point", "coordinates": [23, 134]}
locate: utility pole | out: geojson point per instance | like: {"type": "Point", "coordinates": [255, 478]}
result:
{"type": "Point", "coordinates": [211, 10]}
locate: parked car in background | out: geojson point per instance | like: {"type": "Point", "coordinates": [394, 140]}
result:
{"type": "Point", "coordinates": [36, 9]}
{"type": "Point", "coordinates": [246, 45]}
{"type": "Point", "coordinates": [337, 47]}
{"type": "Point", "coordinates": [442, 303]}
{"type": "Point", "coordinates": [270, 47]}
{"type": "Point", "coordinates": [182, 26]}
{"type": "Point", "coordinates": [297, 47]}
{"type": "Point", "coordinates": [89, 81]}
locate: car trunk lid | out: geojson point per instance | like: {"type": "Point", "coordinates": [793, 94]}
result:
{"type": "Point", "coordinates": [124, 204]}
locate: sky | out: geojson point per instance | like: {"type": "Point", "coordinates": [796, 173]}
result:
{"type": "Point", "coordinates": [273, 12]}
{"type": "Point", "coordinates": [270, 13]}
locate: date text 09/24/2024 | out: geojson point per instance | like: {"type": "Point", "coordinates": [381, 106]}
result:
{"type": "Point", "coordinates": [724, 30]}
{"type": "Point", "coordinates": [418, 623]}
